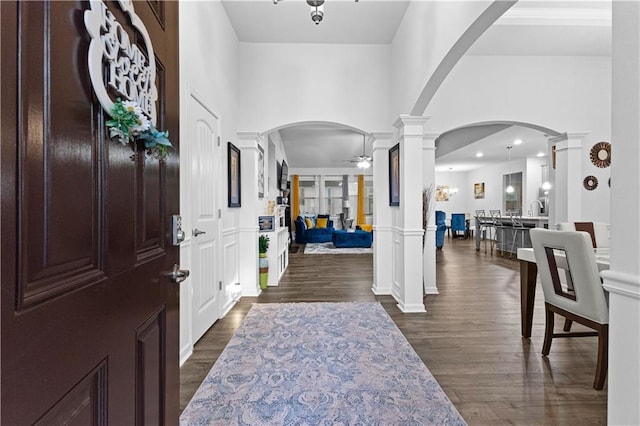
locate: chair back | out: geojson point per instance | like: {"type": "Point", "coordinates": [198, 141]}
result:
{"type": "Point", "coordinates": [482, 217]}
{"type": "Point", "coordinates": [440, 217]}
{"type": "Point", "coordinates": [588, 298]}
{"type": "Point", "coordinates": [495, 217]}
{"type": "Point", "coordinates": [458, 222]}
{"type": "Point", "coordinates": [599, 231]}
{"type": "Point", "coordinates": [516, 219]}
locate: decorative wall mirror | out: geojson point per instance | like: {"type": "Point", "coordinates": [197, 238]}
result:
{"type": "Point", "coordinates": [600, 154]}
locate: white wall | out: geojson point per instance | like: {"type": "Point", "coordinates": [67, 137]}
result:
{"type": "Point", "coordinates": [209, 67]}
{"type": "Point", "coordinates": [272, 191]}
{"type": "Point", "coordinates": [491, 176]}
{"type": "Point", "coordinates": [289, 83]}
{"type": "Point", "coordinates": [458, 203]}
{"type": "Point", "coordinates": [427, 32]}
{"type": "Point", "coordinates": [561, 92]}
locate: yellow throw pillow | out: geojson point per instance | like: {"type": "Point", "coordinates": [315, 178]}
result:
{"type": "Point", "coordinates": [366, 227]}
{"type": "Point", "coordinates": [309, 222]}
{"type": "Point", "coordinates": [321, 222]}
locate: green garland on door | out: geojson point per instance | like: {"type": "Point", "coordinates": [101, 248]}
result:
{"type": "Point", "coordinates": [128, 124]}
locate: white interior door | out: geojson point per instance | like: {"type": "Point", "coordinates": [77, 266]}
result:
{"type": "Point", "coordinates": [205, 154]}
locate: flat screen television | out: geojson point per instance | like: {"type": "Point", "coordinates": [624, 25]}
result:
{"type": "Point", "coordinates": [284, 175]}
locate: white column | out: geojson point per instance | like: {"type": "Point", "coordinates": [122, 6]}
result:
{"type": "Point", "coordinates": [382, 226]}
{"type": "Point", "coordinates": [568, 177]}
{"type": "Point", "coordinates": [248, 216]}
{"type": "Point", "coordinates": [429, 179]}
{"type": "Point", "coordinates": [407, 217]}
{"type": "Point", "coordinates": [623, 279]}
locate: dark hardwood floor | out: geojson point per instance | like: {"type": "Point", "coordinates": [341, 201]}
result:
{"type": "Point", "coordinates": [469, 337]}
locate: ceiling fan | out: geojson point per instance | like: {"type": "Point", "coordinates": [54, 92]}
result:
{"type": "Point", "coordinates": [363, 161]}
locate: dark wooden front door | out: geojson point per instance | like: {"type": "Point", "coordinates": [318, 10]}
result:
{"type": "Point", "coordinates": [89, 318]}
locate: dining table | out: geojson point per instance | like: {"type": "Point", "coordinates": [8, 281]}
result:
{"type": "Point", "coordinates": [529, 276]}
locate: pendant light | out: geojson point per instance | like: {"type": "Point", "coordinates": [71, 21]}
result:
{"type": "Point", "coordinates": [510, 188]}
{"type": "Point", "coordinates": [546, 185]}
{"type": "Point", "coordinates": [452, 190]}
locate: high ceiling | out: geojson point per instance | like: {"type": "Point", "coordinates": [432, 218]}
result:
{"type": "Point", "coordinates": [529, 28]}
{"type": "Point", "coordinates": [289, 21]}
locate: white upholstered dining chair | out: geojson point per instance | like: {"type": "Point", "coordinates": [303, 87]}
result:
{"type": "Point", "coordinates": [599, 231]}
{"type": "Point", "coordinates": [586, 303]}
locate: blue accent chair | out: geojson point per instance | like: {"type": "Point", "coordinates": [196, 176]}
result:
{"type": "Point", "coordinates": [458, 224]}
{"type": "Point", "coordinates": [313, 235]}
{"type": "Point", "coordinates": [441, 227]}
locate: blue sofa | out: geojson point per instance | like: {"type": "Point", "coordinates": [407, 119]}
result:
{"type": "Point", "coordinates": [305, 235]}
{"type": "Point", "coordinates": [441, 227]}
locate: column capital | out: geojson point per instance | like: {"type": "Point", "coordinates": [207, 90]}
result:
{"type": "Point", "coordinates": [248, 141]}
{"type": "Point", "coordinates": [568, 136]}
{"type": "Point", "coordinates": [412, 125]}
{"type": "Point", "coordinates": [382, 141]}
{"type": "Point", "coordinates": [431, 135]}
{"type": "Point", "coordinates": [379, 136]}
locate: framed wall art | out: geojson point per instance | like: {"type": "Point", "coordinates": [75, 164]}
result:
{"type": "Point", "coordinates": [478, 190]}
{"type": "Point", "coordinates": [266, 223]}
{"type": "Point", "coordinates": [394, 176]}
{"type": "Point", "coordinates": [442, 193]}
{"type": "Point", "coordinates": [233, 175]}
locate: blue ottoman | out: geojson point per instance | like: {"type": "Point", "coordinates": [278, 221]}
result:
{"type": "Point", "coordinates": [344, 239]}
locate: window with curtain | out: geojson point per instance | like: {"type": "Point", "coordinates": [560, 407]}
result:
{"type": "Point", "coordinates": [368, 194]}
{"type": "Point", "coordinates": [333, 194]}
{"type": "Point", "coordinates": [308, 195]}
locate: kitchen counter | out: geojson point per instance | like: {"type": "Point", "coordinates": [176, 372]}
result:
{"type": "Point", "coordinates": [505, 238]}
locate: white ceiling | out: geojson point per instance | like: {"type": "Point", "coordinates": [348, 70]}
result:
{"type": "Point", "coordinates": [494, 149]}
{"type": "Point", "coordinates": [531, 27]}
{"type": "Point", "coordinates": [289, 21]}
{"type": "Point", "coordinates": [323, 145]}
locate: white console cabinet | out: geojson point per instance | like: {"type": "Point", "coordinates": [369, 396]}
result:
{"type": "Point", "coordinates": [278, 253]}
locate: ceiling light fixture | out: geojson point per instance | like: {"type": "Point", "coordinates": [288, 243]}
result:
{"type": "Point", "coordinates": [364, 161]}
{"type": "Point", "coordinates": [452, 190]}
{"type": "Point", "coordinates": [510, 188]}
{"type": "Point", "coordinates": [517, 142]}
{"type": "Point", "coordinates": [364, 164]}
{"type": "Point", "coordinates": [479, 154]}
{"type": "Point", "coordinates": [546, 185]}
{"type": "Point", "coordinates": [540, 154]}
{"type": "Point", "coordinates": [317, 12]}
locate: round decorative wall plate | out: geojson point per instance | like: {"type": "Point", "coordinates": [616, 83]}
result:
{"type": "Point", "coordinates": [590, 183]}
{"type": "Point", "coordinates": [600, 154]}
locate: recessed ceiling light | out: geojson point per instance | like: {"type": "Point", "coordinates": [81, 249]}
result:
{"type": "Point", "coordinates": [479, 154]}
{"type": "Point", "coordinates": [540, 154]}
{"type": "Point", "coordinates": [517, 142]}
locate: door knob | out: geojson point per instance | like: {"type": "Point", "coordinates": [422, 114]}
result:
{"type": "Point", "coordinates": [178, 275]}
{"type": "Point", "coordinates": [197, 232]}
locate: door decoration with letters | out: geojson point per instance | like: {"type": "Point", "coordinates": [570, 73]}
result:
{"type": "Point", "coordinates": [116, 65]}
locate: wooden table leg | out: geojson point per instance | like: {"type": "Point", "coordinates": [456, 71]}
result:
{"type": "Point", "coordinates": [528, 274]}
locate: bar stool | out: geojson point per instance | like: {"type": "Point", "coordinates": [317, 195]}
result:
{"type": "Point", "coordinates": [518, 228]}
{"type": "Point", "coordinates": [498, 229]}
{"type": "Point", "coordinates": [485, 227]}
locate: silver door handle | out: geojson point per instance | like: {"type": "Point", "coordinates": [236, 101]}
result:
{"type": "Point", "coordinates": [178, 275]}
{"type": "Point", "coordinates": [197, 232]}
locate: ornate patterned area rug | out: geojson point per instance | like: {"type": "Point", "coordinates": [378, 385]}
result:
{"type": "Point", "coordinates": [329, 248]}
{"type": "Point", "coordinates": [319, 364]}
